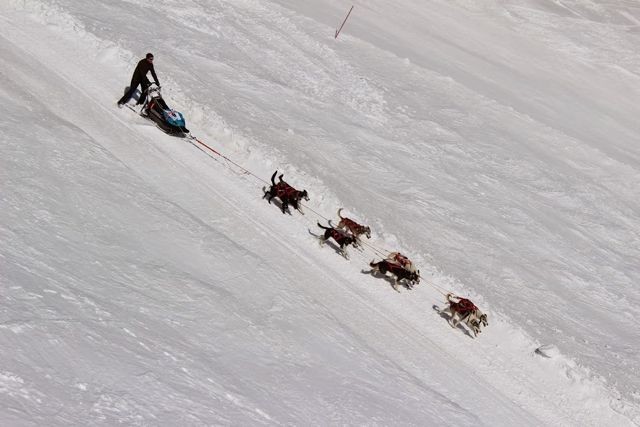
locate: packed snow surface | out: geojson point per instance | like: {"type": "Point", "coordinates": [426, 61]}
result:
{"type": "Point", "coordinates": [146, 282]}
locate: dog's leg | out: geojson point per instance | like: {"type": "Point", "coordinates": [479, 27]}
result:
{"type": "Point", "coordinates": [469, 322]}
{"type": "Point", "coordinates": [455, 319]}
{"type": "Point", "coordinates": [477, 322]}
{"type": "Point", "coordinates": [482, 318]}
{"type": "Point", "coordinates": [271, 195]}
{"type": "Point", "coordinates": [466, 319]}
{"type": "Point", "coordinates": [474, 328]}
{"type": "Point", "coordinates": [447, 311]}
{"type": "Point", "coordinates": [451, 317]}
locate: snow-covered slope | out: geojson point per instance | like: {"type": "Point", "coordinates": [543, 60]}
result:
{"type": "Point", "coordinates": [146, 282]}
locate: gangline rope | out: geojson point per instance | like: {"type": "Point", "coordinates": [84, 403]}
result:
{"type": "Point", "coordinates": [373, 248]}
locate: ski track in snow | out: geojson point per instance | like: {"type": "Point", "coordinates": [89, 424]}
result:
{"type": "Point", "coordinates": [66, 261]}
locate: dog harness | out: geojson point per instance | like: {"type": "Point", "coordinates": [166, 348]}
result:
{"type": "Point", "coordinates": [400, 271]}
{"type": "Point", "coordinates": [340, 237]}
{"type": "Point", "coordinates": [284, 190]}
{"type": "Point", "coordinates": [400, 259]}
{"type": "Point", "coordinates": [464, 306]}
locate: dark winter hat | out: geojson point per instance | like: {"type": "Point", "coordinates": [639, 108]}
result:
{"type": "Point", "coordinates": [149, 55]}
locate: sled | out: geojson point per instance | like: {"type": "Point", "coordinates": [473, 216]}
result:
{"type": "Point", "coordinates": [156, 109]}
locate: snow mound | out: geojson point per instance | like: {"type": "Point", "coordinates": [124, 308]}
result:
{"type": "Point", "coordinates": [548, 350]}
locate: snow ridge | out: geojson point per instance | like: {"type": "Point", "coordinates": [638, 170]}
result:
{"type": "Point", "coordinates": [503, 365]}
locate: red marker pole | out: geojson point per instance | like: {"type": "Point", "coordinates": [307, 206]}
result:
{"type": "Point", "coordinates": [343, 22]}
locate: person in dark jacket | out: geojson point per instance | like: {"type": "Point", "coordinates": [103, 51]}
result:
{"type": "Point", "coordinates": [140, 78]}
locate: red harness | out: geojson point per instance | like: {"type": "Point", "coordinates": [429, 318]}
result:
{"type": "Point", "coordinates": [397, 269]}
{"type": "Point", "coordinates": [463, 306]}
{"type": "Point", "coordinates": [284, 190]}
{"type": "Point", "coordinates": [338, 236]}
{"type": "Point", "coordinates": [402, 260]}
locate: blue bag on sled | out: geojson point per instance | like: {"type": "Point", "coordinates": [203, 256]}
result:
{"type": "Point", "coordinates": [167, 119]}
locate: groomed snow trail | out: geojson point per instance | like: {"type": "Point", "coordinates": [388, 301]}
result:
{"type": "Point", "coordinates": [159, 288]}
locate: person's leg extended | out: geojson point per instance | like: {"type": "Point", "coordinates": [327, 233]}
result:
{"type": "Point", "coordinates": [127, 96]}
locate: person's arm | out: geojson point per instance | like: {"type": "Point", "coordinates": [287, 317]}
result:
{"type": "Point", "coordinates": [137, 72]}
{"type": "Point", "coordinates": [153, 73]}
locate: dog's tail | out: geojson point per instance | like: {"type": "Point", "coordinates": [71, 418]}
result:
{"type": "Point", "coordinates": [340, 216]}
{"type": "Point", "coordinates": [373, 264]}
{"type": "Point", "coordinates": [273, 177]}
{"type": "Point", "coordinates": [449, 296]}
{"type": "Point", "coordinates": [323, 227]}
